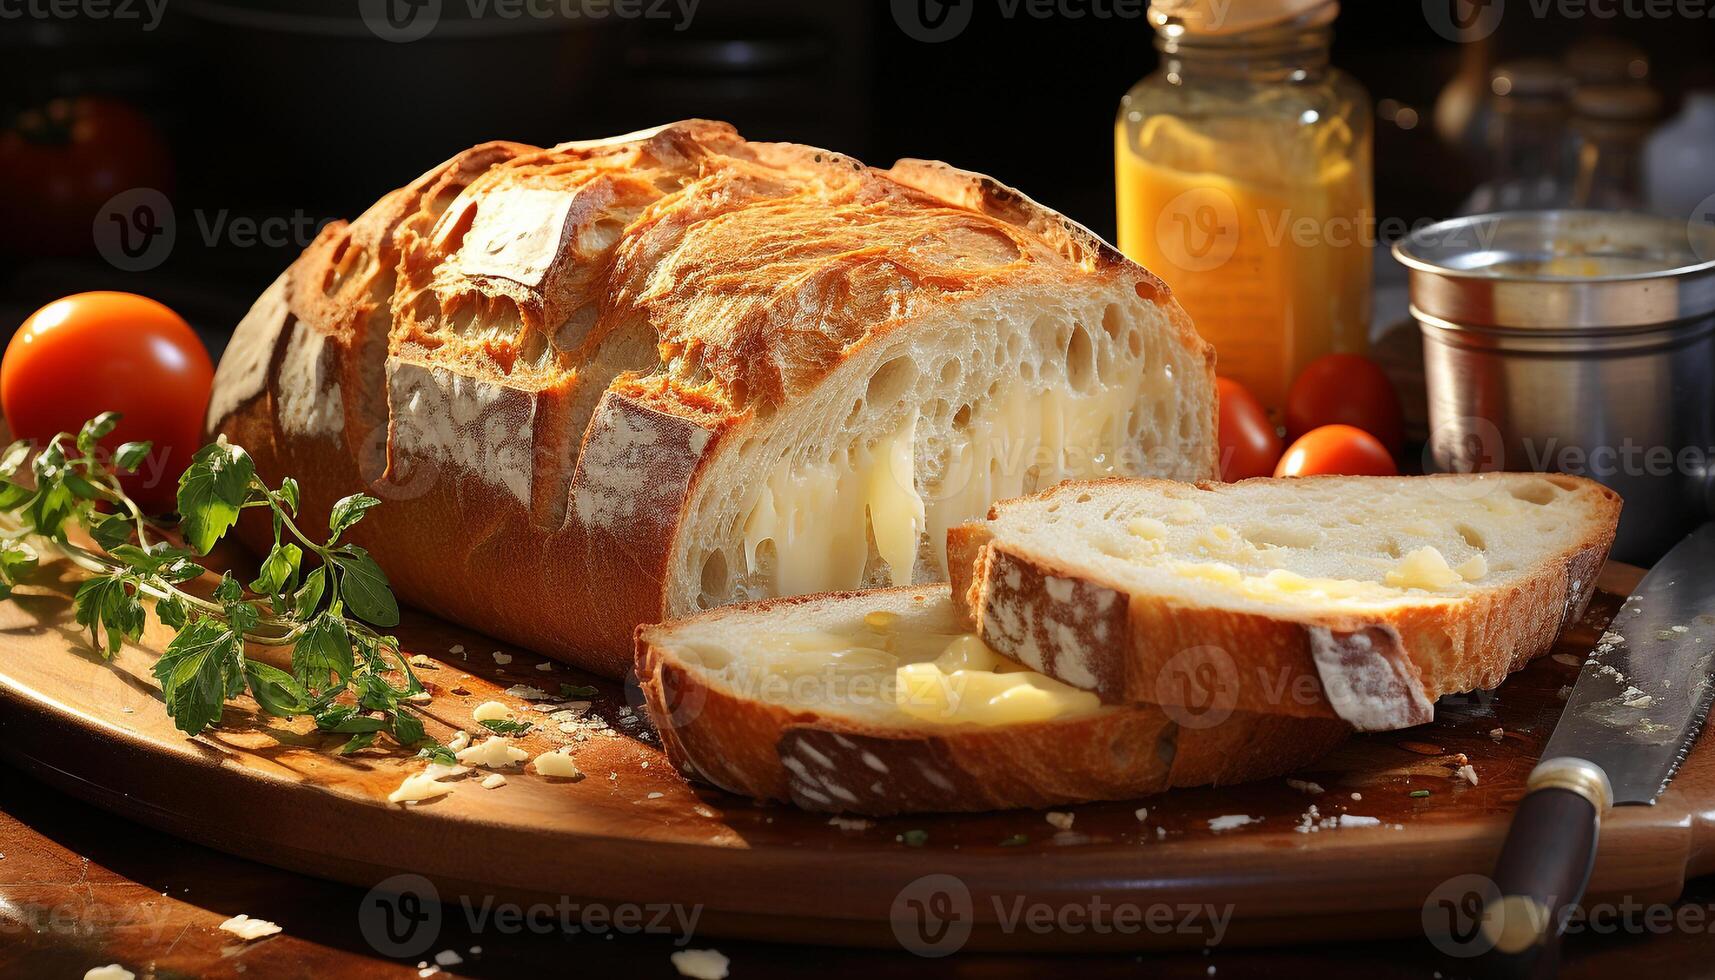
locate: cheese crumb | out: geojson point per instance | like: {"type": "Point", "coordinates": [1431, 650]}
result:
{"type": "Point", "coordinates": [1426, 568]}
{"type": "Point", "coordinates": [1305, 786]}
{"type": "Point", "coordinates": [494, 752]}
{"type": "Point", "coordinates": [1351, 820]}
{"type": "Point", "coordinates": [1231, 821]}
{"type": "Point", "coordinates": [528, 693]}
{"type": "Point", "coordinates": [502, 658]}
{"type": "Point", "coordinates": [491, 711]}
{"type": "Point", "coordinates": [558, 763]}
{"type": "Point", "coordinates": [460, 739]}
{"type": "Point", "coordinates": [849, 823]}
{"type": "Point", "coordinates": [1060, 819]}
{"type": "Point", "coordinates": [493, 781]}
{"type": "Point", "coordinates": [448, 957]}
{"type": "Point", "coordinates": [1497, 733]}
{"type": "Point", "coordinates": [246, 928]}
{"type": "Point", "coordinates": [701, 964]}
{"type": "Point", "coordinates": [1142, 814]}
{"type": "Point", "coordinates": [425, 785]}
{"type": "Point", "coordinates": [112, 971]}
{"type": "Point", "coordinates": [1467, 773]}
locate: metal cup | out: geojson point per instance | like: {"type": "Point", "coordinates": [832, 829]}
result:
{"type": "Point", "coordinates": [1579, 342]}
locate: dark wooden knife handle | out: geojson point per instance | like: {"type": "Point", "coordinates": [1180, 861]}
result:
{"type": "Point", "coordinates": [1544, 867]}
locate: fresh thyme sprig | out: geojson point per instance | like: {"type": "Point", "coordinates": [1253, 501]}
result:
{"type": "Point", "coordinates": [326, 600]}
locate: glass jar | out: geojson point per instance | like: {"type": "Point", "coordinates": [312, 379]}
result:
{"type": "Point", "coordinates": [1243, 169]}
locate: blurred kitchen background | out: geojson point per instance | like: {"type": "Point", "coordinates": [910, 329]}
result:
{"type": "Point", "coordinates": [261, 119]}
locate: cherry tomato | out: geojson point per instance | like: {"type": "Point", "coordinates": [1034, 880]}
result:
{"type": "Point", "coordinates": [1343, 449]}
{"type": "Point", "coordinates": [1348, 389]}
{"type": "Point", "coordinates": [61, 162]}
{"type": "Point", "coordinates": [98, 352]}
{"type": "Point", "coordinates": [1249, 444]}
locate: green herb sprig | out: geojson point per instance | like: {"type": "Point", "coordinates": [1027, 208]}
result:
{"type": "Point", "coordinates": [326, 600]}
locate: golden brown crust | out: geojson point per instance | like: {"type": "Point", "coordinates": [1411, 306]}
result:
{"type": "Point", "coordinates": [530, 355]}
{"type": "Point", "coordinates": [761, 749]}
{"type": "Point", "coordinates": [1378, 672]}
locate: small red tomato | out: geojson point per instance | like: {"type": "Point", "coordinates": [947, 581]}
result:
{"type": "Point", "coordinates": [1249, 444]}
{"type": "Point", "coordinates": [112, 352]}
{"type": "Point", "coordinates": [1343, 449]}
{"type": "Point", "coordinates": [61, 162]}
{"type": "Point", "coordinates": [1348, 389]}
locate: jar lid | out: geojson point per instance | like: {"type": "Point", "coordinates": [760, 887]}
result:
{"type": "Point", "coordinates": [1220, 17]}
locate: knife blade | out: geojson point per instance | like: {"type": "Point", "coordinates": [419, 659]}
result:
{"type": "Point", "coordinates": [1638, 705]}
{"type": "Point", "coordinates": [1644, 692]}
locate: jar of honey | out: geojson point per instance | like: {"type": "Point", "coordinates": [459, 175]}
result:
{"type": "Point", "coordinates": [1243, 170]}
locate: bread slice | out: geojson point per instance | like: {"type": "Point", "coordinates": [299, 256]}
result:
{"type": "Point", "coordinates": [608, 383]}
{"type": "Point", "coordinates": [846, 702]}
{"type": "Point", "coordinates": [1362, 598]}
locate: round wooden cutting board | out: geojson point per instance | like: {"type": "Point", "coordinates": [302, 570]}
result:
{"type": "Point", "coordinates": [632, 831]}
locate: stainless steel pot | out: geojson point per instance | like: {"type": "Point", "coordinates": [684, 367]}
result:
{"type": "Point", "coordinates": [1580, 342]}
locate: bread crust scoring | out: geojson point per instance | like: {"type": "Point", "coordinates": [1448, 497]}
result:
{"type": "Point", "coordinates": [531, 354]}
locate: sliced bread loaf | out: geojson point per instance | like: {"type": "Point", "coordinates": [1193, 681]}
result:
{"type": "Point", "coordinates": [881, 702]}
{"type": "Point", "coordinates": [1362, 598]}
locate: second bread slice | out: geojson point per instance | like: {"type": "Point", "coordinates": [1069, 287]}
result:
{"type": "Point", "coordinates": [1363, 598]}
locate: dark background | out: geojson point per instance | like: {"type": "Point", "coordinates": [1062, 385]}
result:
{"type": "Point", "coordinates": [292, 110]}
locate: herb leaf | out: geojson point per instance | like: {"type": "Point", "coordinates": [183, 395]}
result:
{"type": "Point", "coordinates": [364, 587]}
{"type": "Point", "coordinates": [105, 606]}
{"type": "Point", "coordinates": [94, 430]}
{"type": "Point", "coordinates": [196, 671]}
{"type": "Point", "coordinates": [323, 650]}
{"type": "Point", "coordinates": [407, 729]}
{"type": "Point", "coordinates": [110, 531]}
{"type": "Point", "coordinates": [211, 492]}
{"type": "Point", "coordinates": [130, 455]}
{"type": "Point", "coordinates": [279, 570]}
{"type": "Point", "coordinates": [348, 511]}
{"type": "Point", "coordinates": [275, 690]}
{"type": "Point", "coordinates": [506, 726]}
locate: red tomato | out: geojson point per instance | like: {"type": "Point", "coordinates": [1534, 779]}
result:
{"type": "Point", "coordinates": [112, 352]}
{"type": "Point", "coordinates": [60, 163]}
{"type": "Point", "coordinates": [1348, 389]}
{"type": "Point", "coordinates": [1249, 444]}
{"type": "Point", "coordinates": [1342, 449]}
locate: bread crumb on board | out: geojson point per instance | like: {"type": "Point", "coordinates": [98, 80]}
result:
{"type": "Point", "coordinates": [246, 928]}
{"type": "Point", "coordinates": [1060, 819]}
{"type": "Point", "coordinates": [558, 764]}
{"type": "Point", "coordinates": [701, 964]}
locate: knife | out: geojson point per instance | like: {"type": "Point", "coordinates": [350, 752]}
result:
{"type": "Point", "coordinates": [1636, 709]}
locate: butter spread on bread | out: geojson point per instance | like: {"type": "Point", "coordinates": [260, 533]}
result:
{"type": "Point", "coordinates": [617, 382]}
{"type": "Point", "coordinates": [882, 702]}
{"type": "Point", "coordinates": [1362, 598]}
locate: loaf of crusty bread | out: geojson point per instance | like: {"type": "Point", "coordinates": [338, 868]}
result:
{"type": "Point", "coordinates": [618, 382]}
{"type": "Point", "coordinates": [880, 702]}
{"type": "Point", "coordinates": [1362, 598]}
